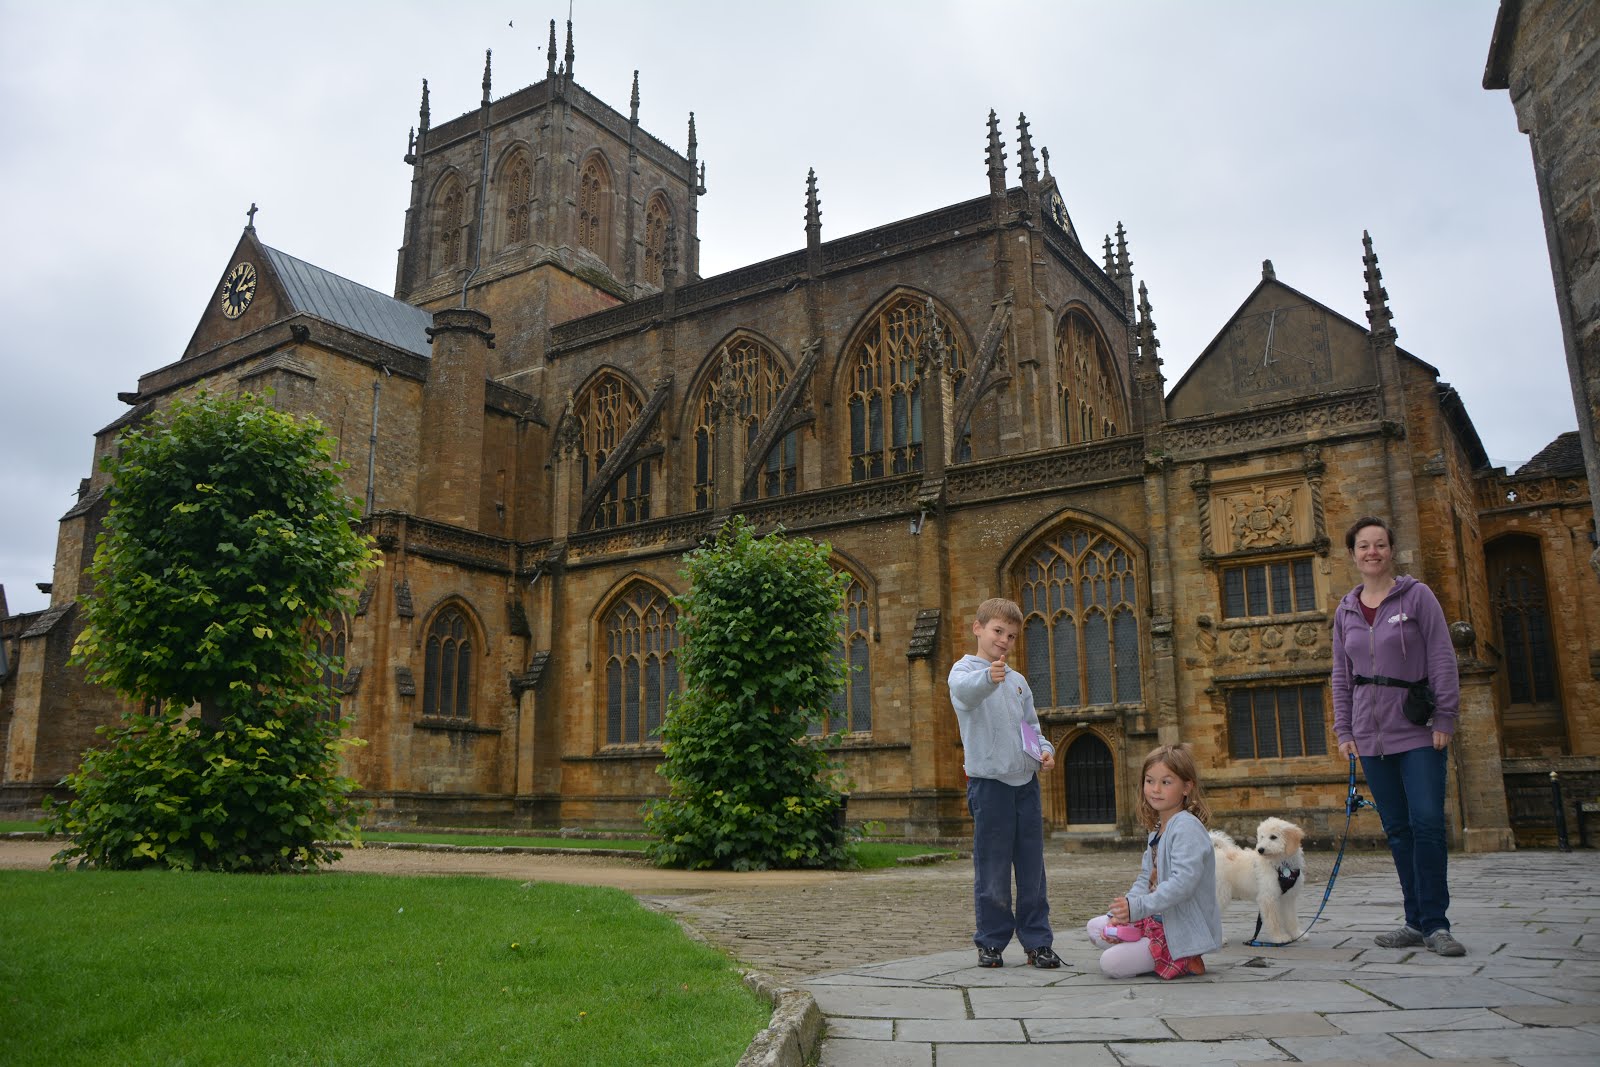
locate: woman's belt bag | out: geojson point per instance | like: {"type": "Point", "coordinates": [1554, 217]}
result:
{"type": "Point", "coordinates": [1420, 699]}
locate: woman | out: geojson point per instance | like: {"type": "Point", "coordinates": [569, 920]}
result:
{"type": "Point", "coordinates": [1388, 632]}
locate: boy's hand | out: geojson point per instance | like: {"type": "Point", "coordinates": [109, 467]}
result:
{"type": "Point", "coordinates": [1047, 760]}
{"type": "Point", "coordinates": [997, 671]}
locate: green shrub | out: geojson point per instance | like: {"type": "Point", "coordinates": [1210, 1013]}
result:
{"type": "Point", "coordinates": [760, 633]}
{"type": "Point", "coordinates": [176, 792]}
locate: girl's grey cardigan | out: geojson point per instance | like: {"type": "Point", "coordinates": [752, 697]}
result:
{"type": "Point", "coordinates": [1185, 897]}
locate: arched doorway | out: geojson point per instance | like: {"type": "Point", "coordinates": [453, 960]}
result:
{"type": "Point", "coordinates": [1091, 783]}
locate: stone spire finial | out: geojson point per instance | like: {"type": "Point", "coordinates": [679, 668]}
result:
{"type": "Point", "coordinates": [1268, 274]}
{"type": "Point", "coordinates": [997, 157]}
{"type": "Point", "coordinates": [1124, 261]}
{"type": "Point", "coordinates": [569, 48]}
{"type": "Point", "coordinates": [813, 203]}
{"type": "Point", "coordinates": [694, 142]}
{"type": "Point", "coordinates": [633, 101]}
{"type": "Point", "coordinates": [550, 56]}
{"type": "Point", "coordinates": [422, 112]}
{"type": "Point", "coordinates": [1030, 166]}
{"type": "Point", "coordinates": [1111, 264]}
{"type": "Point", "coordinates": [700, 186]}
{"type": "Point", "coordinates": [1148, 344]}
{"type": "Point", "coordinates": [1045, 153]}
{"type": "Point", "coordinates": [488, 60]}
{"type": "Point", "coordinates": [1378, 314]}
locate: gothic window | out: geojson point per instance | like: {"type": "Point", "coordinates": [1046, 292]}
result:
{"type": "Point", "coordinates": [448, 231]}
{"type": "Point", "coordinates": [885, 398]}
{"type": "Point", "coordinates": [1085, 369]}
{"type": "Point", "coordinates": [1281, 722]}
{"type": "Point", "coordinates": [1279, 587]}
{"type": "Point", "coordinates": [656, 217]}
{"type": "Point", "coordinates": [641, 667]}
{"type": "Point", "coordinates": [1080, 633]}
{"type": "Point", "coordinates": [594, 206]}
{"type": "Point", "coordinates": [447, 666]}
{"type": "Point", "coordinates": [518, 207]}
{"type": "Point", "coordinates": [608, 408]}
{"type": "Point", "coordinates": [330, 643]}
{"type": "Point", "coordinates": [755, 377]}
{"type": "Point", "coordinates": [1522, 610]}
{"type": "Point", "coordinates": [852, 707]}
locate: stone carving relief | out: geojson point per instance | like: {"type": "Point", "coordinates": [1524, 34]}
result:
{"type": "Point", "coordinates": [1261, 518]}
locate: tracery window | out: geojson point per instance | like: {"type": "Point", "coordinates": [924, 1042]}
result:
{"type": "Point", "coordinates": [330, 643]}
{"type": "Point", "coordinates": [518, 203]}
{"type": "Point", "coordinates": [656, 217]}
{"type": "Point", "coordinates": [641, 669]}
{"type": "Point", "coordinates": [885, 401]}
{"type": "Point", "coordinates": [447, 228]}
{"type": "Point", "coordinates": [608, 408]}
{"type": "Point", "coordinates": [1278, 587]}
{"type": "Point", "coordinates": [1279, 722]}
{"type": "Point", "coordinates": [756, 377]}
{"type": "Point", "coordinates": [1522, 610]}
{"type": "Point", "coordinates": [594, 206]}
{"type": "Point", "coordinates": [447, 666]}
{"type": "Point", "coordinates": [1084, 368]}
{"type": "Point", "coordinates": [1080, 634]}
{"type": "Point", "coordinates": [852, 707]}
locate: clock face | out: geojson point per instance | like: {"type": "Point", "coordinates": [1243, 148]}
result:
{"type": "Point", "coordinates": [1058, 212]}
{"type": "Point", "coordinates": [238, 289]}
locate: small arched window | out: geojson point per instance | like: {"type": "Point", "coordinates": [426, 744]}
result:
{"type": "Point", "coordinates": [330, 642]}
{"type": "Point", "coordinates": [1080, 633]}
{"type": "Point", "coordinates": [641, 667]}
{"type": "Point", "coordinates": [657, 215]}
{"type": "Point", "coordinates": [852, 707]}
{"type": "Point", "coordinates": [594, 207]}
{"type": "Point", "coordinates": [518, 205]}
{"type": "Point", "coordinates": [606, 411]}
{"type": "Point", "coordinates": [885, 388]}
{"type": "Point", "coordinates": [447, 666]}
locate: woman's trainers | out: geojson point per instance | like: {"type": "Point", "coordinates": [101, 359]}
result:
{"type": "Point", "coordinates": [990, 957]}
{"type": "Point", "coordinates": [1405, 937]}
{"type": "Point", "coordinates": [1442, 943]}
{"type": "Point", "coordinates": [1044, 956]}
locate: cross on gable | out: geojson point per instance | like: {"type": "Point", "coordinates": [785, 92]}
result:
{"type": "Point", "coordinates": [1511, 496]}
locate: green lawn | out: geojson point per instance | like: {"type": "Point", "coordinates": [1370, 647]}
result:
{"type": "Point", "coordinates": [163, 968]}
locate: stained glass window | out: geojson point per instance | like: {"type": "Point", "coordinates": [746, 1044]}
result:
{"type": "Point", "coordinates": [1080, 633]}
{"type": "Point", "coordinates": [447, 666]}
{"type": "Point", "coordinates": [641, 668]}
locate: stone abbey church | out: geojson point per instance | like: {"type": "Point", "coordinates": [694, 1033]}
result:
{"type": "Point", "coordinates": [554, 406]}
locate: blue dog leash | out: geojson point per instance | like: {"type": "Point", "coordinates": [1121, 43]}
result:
{"type": "Point", "coordinates": [1353, 802]}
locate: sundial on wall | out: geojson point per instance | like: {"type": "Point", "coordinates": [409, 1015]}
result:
{"type": "Point", "coordinates": [1284, 348]}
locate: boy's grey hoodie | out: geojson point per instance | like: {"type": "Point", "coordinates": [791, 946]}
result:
{"type": "Point", "coordinates": [990, 717]}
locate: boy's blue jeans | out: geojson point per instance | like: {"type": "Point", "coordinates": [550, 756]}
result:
{"type": "Point", "coordinates": [1007, 834]}
{"type": "Point", "coordinates": [1408, 788]}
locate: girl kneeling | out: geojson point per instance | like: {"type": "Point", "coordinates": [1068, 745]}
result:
{"type": "Point", "coordinates": [1169, 917]}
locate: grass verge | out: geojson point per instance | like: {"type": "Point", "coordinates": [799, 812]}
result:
{"type": "Point", "coordinates": [158, 967]}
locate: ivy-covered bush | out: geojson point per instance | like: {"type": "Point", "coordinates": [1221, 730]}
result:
{"type": "Point", "coordinates": [228, 538]}
{"type": "Point", "coordinates": [176, 792]}
{"type": "Point", "coordinates": [760, 629]}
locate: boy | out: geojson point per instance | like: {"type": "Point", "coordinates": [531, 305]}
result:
{"type": "Point", "coordinates": [994, 707]}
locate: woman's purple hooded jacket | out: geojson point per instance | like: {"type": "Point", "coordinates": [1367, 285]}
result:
{"type": "Point", "coordinates": [1409, 640]}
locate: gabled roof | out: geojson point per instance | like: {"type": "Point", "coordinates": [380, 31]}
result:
{"type": "Point", "coordinates": [326, 295]}
{"type": "Point", "coordinates": [1564, 455]}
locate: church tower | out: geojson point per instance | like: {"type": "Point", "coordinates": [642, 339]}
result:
{"type": "Point", "coordinates": [542, 206]}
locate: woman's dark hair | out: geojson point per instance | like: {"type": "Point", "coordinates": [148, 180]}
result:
{"type": "Point", "coordinates": [1361, 524]}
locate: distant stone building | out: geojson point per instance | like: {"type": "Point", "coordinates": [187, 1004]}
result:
{"type": "Point", "coordinates": [555, 406]}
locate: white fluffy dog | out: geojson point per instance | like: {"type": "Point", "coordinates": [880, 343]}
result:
{"type": "Point", "coordinates": [1271, 875]}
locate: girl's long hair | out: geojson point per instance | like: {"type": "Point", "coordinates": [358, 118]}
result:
{"type": "Point", "coordinates": [1179, 759]}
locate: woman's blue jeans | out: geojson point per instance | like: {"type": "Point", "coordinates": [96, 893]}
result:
{"type": "Point", "coordinates": [1408, 789]}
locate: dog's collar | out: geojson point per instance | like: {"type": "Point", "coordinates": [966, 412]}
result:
{"type": "Point", "coordinates": [1287, 877]}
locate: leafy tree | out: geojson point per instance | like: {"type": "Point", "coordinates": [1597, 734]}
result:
{"type": "Point", "coordinates": [760, 629]}
{"type": "Point", "coordinates": [228, 535]}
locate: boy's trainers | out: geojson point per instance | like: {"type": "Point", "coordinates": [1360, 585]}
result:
{"type": "Point", "coordinates": [1405, 937]}
{"type": "Point", "coordinates": [990, 957]}
{"type": "Point", "coordinates": [1044, 957]}
{"type": "Point", "coordinates": [1441, 943]}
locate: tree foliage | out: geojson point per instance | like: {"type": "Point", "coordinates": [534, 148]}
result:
{"type": "Point", "coordinates": [760, 631]}
{"type": "Point", "coordinates": [228, 537]}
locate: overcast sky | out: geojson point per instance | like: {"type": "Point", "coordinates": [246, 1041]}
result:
{"type": "Point", "coordinates": [133, 137]}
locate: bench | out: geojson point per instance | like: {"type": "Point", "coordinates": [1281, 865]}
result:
{"type": "Point", "coordinates": [1585, 809]}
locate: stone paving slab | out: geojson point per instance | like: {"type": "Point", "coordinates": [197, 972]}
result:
{"type": "Point", "coordinates": [1527, 992]}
